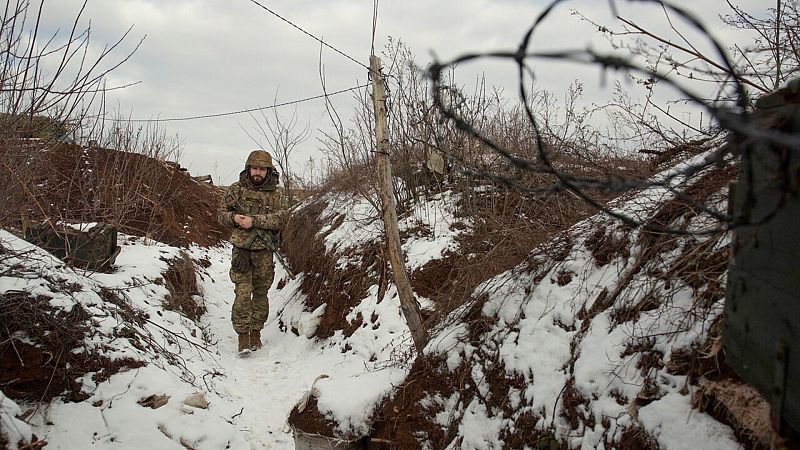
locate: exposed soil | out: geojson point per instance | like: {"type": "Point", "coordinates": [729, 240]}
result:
{"type": "Point", "coordinates": [507, 226]}
{"type": "Point", "coordinates": [50, 366]}
{"type": "Point", "coordinates": [403, 422]}
{"type": "Point", "coordinates": [340, 288]}
{"type": "Point", "coordinates": [43, 351]}
{"type": "Point", "coordinates": [636, 438]}
{"type": "Point", "coordinates": [140, 195]}
{"type": "Point", "coordinates": [311, 420]}
{"type": "Point", "coordinates": [606, 245]}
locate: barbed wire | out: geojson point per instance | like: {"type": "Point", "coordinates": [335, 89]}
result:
{"type": "Point", "coordinates": [293, 102]}
{"type": "Point", "coordinates": [311, 35]}
{"type": "Point", "coordinates": [736, 120]}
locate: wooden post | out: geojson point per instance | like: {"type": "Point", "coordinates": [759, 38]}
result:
{"type": "Point", "coordinates": [408, 304]}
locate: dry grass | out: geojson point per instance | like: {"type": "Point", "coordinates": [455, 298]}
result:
{"type": "Point", "coordinates": [181, 281]}
{"type": "Point", "coordinates": [740, 405]}
{"type": "Point", "coordinates": [139, 194]}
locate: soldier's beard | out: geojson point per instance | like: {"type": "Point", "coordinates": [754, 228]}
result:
{"type": "Point", "coordinates": [256, 179]}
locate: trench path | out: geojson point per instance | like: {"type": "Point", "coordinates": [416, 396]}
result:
{"type": "Point", "coordinates": [269, 382]}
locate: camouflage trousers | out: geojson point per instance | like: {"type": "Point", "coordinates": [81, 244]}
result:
{"type": "Point", "coordinates": [251, 305]}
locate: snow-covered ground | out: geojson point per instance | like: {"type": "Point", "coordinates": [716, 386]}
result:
{"type": "Point", "coordinates": [543, 334]}
{"type": "Point", "coordinates": [248, 398]}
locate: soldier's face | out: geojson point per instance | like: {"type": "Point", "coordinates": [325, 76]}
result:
{"type": "Point", "coordinates": [258, 174]}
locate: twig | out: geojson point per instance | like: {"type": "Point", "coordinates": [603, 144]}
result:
{"type": "Point", "coordinates": [178, 336]}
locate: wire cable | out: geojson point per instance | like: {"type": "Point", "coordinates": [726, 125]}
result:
{"type": "Point", "coordinates": [374, 25]}
{"type": "Point", "coordinates": [311, 35]}
{"type": "Point", "coordinates": [242, 111]}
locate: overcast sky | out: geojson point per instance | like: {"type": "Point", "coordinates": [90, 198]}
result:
{"type": "Point", "coordinates": [203, 57]}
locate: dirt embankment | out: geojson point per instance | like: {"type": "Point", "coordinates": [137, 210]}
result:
{"type": "Point", "coordinates": [140, 195]}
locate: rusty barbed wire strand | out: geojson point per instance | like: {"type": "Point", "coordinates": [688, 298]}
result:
{"type": "Point", "coordinates": [310, 35]}
{"type": "Point", "coordinates": [735, 120]}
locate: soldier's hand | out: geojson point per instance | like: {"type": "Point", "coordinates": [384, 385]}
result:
{"type": "Point", "coordinates": [243, 221]}
{"type": "Point", "coordinates": [246, 222]}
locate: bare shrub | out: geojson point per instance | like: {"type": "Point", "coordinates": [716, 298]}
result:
{"type": "Point", "coordinates": [46, 91]}
{"type": "Point", "coordinates": [65, 165]}
{"type": "Point", "coordinates": [43, 350]}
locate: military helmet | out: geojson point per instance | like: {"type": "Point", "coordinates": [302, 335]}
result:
{"type": "Point", "coordinates": [259, 158]}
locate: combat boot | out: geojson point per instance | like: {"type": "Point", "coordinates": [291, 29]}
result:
{"type": "Point", "coordinates": [244, 343]}
{"type": "Point", "coordinates": [255, 340]}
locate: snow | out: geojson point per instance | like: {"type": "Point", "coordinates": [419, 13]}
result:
{"type": "Point", "coordinates": [249, 398]}
{"type": "Point", "coordinates": [479, 431]}
{"type": "Point", "coordinates": [676, 425]}
{"type": "Point", "coordinates": [15, 430]}
{"type": "Point", "coordinates": [436, 216]}
{"type": "Point", "coordinates": [539, 323]}
{"type": "Point", "coordinates": [543, 334]}
{"type": "Point", "coordinates": [352, 412]}
{"type": "Point", "coordinates": [359, 222]}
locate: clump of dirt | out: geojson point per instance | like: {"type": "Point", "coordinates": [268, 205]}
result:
{"type": "Point", "coordinates": [42, 354]}
{"type": "Point", "coordinates": [506, 226]}
{"type": "Point", "coordinates": [525, 434]}
{"type": "Point", "coordinates": [741, 406]}
{"type": "Point", "coordinates": [413, 417]}
{"type": "Point", "coordinates": [572, 400]}
{"type": "Point", "coordinates": [636, 438]}
{"type": "Point", "coordinates": [407, 420]}
{"type": "Point", "coordinates": [704, 359]}
{"type": "Point", "coordinates": [631, 313]}
{"type": "Point", "coordinates": [310, 420]}
{"type": "Point", "coordinates": [564, 277]}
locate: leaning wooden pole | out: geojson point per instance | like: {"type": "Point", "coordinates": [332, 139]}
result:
{"type": "Point", "coordinates": [408, 304]}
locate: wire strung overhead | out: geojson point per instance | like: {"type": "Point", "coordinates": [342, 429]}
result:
{"type": "Point", "coordinates": [242, 111]}
{"type": "Point", "coordinates": [311, 35]}
{"type": "Point", "coordinates": [374, 25]}
{"type": "Point", "coordinates": [249, 110]}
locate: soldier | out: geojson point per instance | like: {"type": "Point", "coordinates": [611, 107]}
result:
{"type": "Point", "coordinates": [256, 210]}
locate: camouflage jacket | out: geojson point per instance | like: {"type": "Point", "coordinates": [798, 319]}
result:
{"type": "Point", "coordinates": [265, 204]}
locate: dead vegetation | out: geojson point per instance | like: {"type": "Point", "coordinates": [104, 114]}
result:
{"type": "Point", "coordinates": [734, 402]}
{"type": "Point", "coordinates": [506, 226]}
{"type": "Point", "coordinates": [181, 281]}
{"type": "Point", "coordinates": [409, 419]}
{"type": "Point", "coordinates": [43, 352]}
{"type": "Point", "coordinates": [139, 194]}
{"type": "Point", "coordinates": [671, 259]}
{"type": "Point", "coordinates": [324, 281]}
